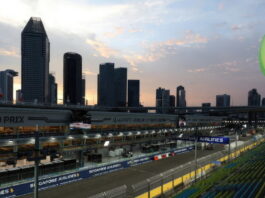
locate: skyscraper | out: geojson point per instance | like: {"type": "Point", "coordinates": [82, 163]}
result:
{"type": "Point", "coordinates": [162, 100]}
{"type": "Point", "coordinates": [120, 86]}
{"type": "Point", "coordinates": [72, 78]}
{"type": "Point", "coordinates": [181, 97]}
{"type": "Point", "coordinates": [172, 103]}
{"type": "Point", "coordinates": [253, 98]}
{"type": "Point", "coordinates": [106, 91]}
{"type": "Point", "coordinates": [223, 100]}
{"type": "Point", "coordinates": [35, 57]}
{"type": "Point", "coordinates": [83, 90]}
{"type": "Point", "coordinates": [133, 93]}
{"type": "Point", "coordinates": [6, 84]}
{"type": "Point", "coordinates": [52, 90]}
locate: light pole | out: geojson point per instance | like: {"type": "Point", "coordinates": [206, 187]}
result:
{"type": "Point", "coordinates": [37, 161]}
{"type": "Point", "coordinates": [195, 156]}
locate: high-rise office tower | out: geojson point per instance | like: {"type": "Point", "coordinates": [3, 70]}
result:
{"type": "Point", "coordinates": [35, 58]}
{"type": "Point", "coordinates": [52, 90]}
{"type": "Point", "coordinates": [83, 90]}
{"type": "Point", "coordinates": [120, 86]}
{"type": "Point", "coordinates": [181, 97]}
{"type": "Point", "coordinates": [223, 100]}
{"type": "Point", "coordinates": [253, 98]}
{"type": "Point", "coordinates": [106, 90]}
{"type": "Point", "coordinates": [72, 78]}
{"type": "Point", "coordinates": [133, 93]}
{"type": "Point", "coordinates": [172, 100]}
{"type": "Point", "coordinates": [162, 100]}
{"type": "Point", "coordinates": [172, 103]}
{"type": "Point", "coordinates": [6, 84]}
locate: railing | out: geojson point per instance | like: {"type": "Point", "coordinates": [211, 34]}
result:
{"type": "Point", "coordinates": [176, 179]}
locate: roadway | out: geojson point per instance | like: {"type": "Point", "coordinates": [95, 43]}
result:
{"type": "Point", "coordinates": [129, 176]}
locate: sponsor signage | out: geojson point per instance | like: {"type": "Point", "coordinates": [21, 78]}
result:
{"type": "Point", "coordinates": [216, 140]}
{"type": "Point", "coordinates": [11, 119]}
{"type": "Point", "coordinates": [26, 188]}
{"type": "Point", "coordinates": [208, 139]}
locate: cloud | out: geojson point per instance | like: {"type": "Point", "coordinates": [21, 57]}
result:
{"type": "Point", "coordinates": [158, 50]}
{"type": "Point", "coordinates": [117, 31]}
{"type": "Point", "coordinates": [229, 66]}
{"type": "Point", "coordinates": [6, 52]}
{"type": "Point", "coordinates": [89, 73]}
{"type": "Point", "coordinates": [102, 48]}
{"type": "Point", "coordinates": [199, 70]}
{"type": "Point", "coordinates": [189, 39]}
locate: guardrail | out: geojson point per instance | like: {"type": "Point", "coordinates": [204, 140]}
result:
{"type": "Point", "coordinates": [77, 175]}
{"type": "Point", "coordinates": [178, 178]}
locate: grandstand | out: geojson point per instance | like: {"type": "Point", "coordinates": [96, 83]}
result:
{"type": "Point", "coordinates": [244, 177]}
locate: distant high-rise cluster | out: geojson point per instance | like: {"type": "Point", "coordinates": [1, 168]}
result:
{"type": "Point", "coordinates": [223, 100]}
{"type": "Point", "coordinates": [113, 88]}
{"type": "Point", "coordinates": [165, 102]}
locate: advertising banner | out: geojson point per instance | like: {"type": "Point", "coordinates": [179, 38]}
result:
{"type": "Point", "coordinates": [215, 140]}
{"type": "Point", "coordinates": [26, 188]}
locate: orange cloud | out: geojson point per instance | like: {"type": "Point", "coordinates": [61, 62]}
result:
{"type": "Point", "coordinates": [12, 52]}
{"type": "Point", "coordinates": [118, 31]}
{"type": "Point", "coordinates": [102, 48]}
{"type": "Point", "coordinates": [89, 73]}
{"type": "Point", "coordinates": [189, 39]}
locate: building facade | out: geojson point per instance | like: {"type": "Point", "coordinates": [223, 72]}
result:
{"type": "Point", "coordinates": [133, 93]}
{"type": "Point", "coordinates": [181, 96]}
{"type": "Point", "coordinates": [106, 91]}
{"type": "Point", "coordinates": [223, 100]}
{"type": "Point", "coordinates": [205, 107]}
{"type": "Point", "coordinates": [72, 78]}
{"type": "Point", "coordinates": [52, 90]}
{"type": "Point", "coordinates": [162, 100]}
{"type": "Point", "coordinates": [19, 97]}
{"type": "Point", "coordinates": [6, 85]}
{"type": "Point", "coordinates": [83, 90]}
{"type": "Point", "coordinates": [172, 103]}
{"type": "Point", "coordinates": [120, 86]}
{"type": "Point", "coordinates": [254, 98]}
{"type": "Point", "coordinates": [35, 58]}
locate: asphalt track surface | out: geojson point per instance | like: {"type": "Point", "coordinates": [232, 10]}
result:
{"type": "Point", "coordinates": [129, 176]}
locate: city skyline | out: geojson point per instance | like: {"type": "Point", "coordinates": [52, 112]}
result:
{"type": "Point", "coordinates": [161, 48]}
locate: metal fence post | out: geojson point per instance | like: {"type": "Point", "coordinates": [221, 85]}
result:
{"type": "Point", "coordinates": [149, 187]}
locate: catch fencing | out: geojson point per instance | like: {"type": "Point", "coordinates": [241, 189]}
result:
{"type": "Point", "coordinates": [176, 179]}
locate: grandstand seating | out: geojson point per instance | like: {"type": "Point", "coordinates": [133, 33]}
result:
{"type": "Point", "coordinates": [242, 178]}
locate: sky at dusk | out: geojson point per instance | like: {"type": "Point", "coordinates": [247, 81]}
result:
{"type": "Point", "coordinates": [209, 47]}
